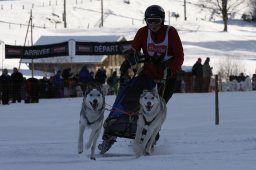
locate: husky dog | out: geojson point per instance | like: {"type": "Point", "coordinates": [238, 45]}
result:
{"type": "Point", "coordinates": [91, 116]}
{"type": "Point", "coordinates": [152, 114]}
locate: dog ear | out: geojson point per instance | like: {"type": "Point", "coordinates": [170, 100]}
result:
{"type": "Point", "coordinates": [143, 92]}
{"type": "Point", "coordinates": [155, 92]}
{"type": "Point", "coordinates": [156, 87]}
{"type": "Point", "coordinates": [87, 87]}
{"type": "Point", "coordinates": [100, 88]}
{"type": "Point", "coordinates": [97, 85]}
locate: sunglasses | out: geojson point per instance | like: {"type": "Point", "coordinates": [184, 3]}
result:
{"type": "Point", "coordinates": [154, 20]}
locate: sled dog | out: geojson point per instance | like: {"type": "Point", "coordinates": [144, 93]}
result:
{"type": "Point", "coordinates": [152, 114]}
{"type": "Point", "coordinates": [91, 116]}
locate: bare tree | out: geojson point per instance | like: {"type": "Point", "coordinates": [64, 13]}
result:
{"type": "Point", "coordinates": [253, 5]}
{"type": "Point", "coordinates": [230, 66]}
{"type": "Point", "coordinates": [224, 7]}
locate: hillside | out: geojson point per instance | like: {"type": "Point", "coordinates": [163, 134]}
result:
{"type": "Point", "coordinates": [201, 34]}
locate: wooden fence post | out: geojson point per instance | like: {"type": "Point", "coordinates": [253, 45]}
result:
{"type": "Point", "coordinates": [216, 100]}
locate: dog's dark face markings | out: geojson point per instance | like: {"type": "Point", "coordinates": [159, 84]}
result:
{"type": "Point", "coordinates": [148, 104]}
{"type": "Point", "coordinates": [94, 99]}
{"type": "Point", "coordinates": [149, 100]}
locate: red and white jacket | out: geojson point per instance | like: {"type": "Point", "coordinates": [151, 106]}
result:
{"type": "Point", "coordinates": [164, 42]}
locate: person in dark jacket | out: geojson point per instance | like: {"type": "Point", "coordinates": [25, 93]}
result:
{"type": "Point", "coordinates": [84, 77]}
{"type": "Point", "coordinates": [5, 86]}
{"type": "Point", "coordinates": [124, 79]}
{"type": "Point", "coordinates": [17, 83]}
{"type": "Point", "coordinates": [33, 90]}
{"type": "Point", "coordinates": [92, 76]}
{"type": "Point", "coordinates": [101, 76]}
{"type": "Point", "coordinates": [197, 71]}
{"type": "Point", "coordinates": [207, 74]}
{"type": "Point", "coordinates": [58, 84]}
{"type": "Point", "coordinates": [45, 88]}
{"type": "Point", "coordinates": [113, 81]}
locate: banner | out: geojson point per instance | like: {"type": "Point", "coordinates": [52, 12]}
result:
{"type": "Point", "coordinates": [37, 51]}
{"type": "Point", "coordinates": [102, 48]}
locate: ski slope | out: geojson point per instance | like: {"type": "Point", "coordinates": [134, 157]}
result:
{"type": "Point", "coordinates": [201, 34]}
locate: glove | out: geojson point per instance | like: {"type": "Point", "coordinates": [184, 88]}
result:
{"type": "Point", "coordinates": [131, 56]}
{"type": "Point", "coordinates": [170, 74]}
{"type": "Point", "coordinates": [158, 60]}
{"type": "Point", "coordinates": [124, 67]}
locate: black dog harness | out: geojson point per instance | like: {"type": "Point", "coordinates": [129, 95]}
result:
{"type": "Point", "coordinates": [87, 120]}
{"type": "Point", "coordinates": [89, 123]}
{"type": "Point", "coordinates": [144, 131]}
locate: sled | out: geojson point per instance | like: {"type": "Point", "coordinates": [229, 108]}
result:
{"type": "Point", "coordinates": [122, 119]}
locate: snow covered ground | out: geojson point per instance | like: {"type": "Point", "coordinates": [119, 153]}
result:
{"type": "Point", "coordinates": [201, 34]}
{"type": "Point", "coordinates": [44, 136]}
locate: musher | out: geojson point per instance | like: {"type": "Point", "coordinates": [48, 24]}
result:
{"type": "Point", "coordinates": [162, 55]}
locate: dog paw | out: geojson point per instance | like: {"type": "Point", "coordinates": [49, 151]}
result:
{"type": "Point", "coordinates": [80, 149]}
{"type": "Point", "coordinates": [147, 153]}
{"type": "Point", "coordinates": [137, 151]}
{"type": "Point", "coordinates": [137, 154]}
{"type": "Point", "coordinates": [93, 158]}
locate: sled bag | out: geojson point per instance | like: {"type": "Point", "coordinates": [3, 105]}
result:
{"type": "Point", "coordinates": [122, 120]}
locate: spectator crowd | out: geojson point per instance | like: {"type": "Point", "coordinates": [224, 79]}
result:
{"type": "Point", "coordinates": [15, 88]}
{"type": "Point", "coordinates": [239, 83]}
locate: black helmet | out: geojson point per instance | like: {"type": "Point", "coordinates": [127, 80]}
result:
{"type": "Point", "coordinates": [154, 11]}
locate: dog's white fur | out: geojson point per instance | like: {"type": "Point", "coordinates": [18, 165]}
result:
{"type": "Point", "coordinates": [151, 117]}
{"type": "Point", "coordinates": [91, 116]}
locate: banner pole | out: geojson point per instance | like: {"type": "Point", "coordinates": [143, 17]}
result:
{"type": "Point", "coordinates": [25, 39]}
{"type": "Point", "coordinates": [31, 34]}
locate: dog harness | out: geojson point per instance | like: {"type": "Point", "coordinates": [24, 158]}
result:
{"type": "Point", "coordinates": [144, 130]}
{"type": "Point", "coordinates": [88, 121]}
{"type": "Point", "coordinates": [147, 123]}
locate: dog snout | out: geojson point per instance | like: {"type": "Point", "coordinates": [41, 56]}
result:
{"type": "Point", "coordinates": [95, 101]}
{"type": "Point", "coordinates": [149, 103]}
